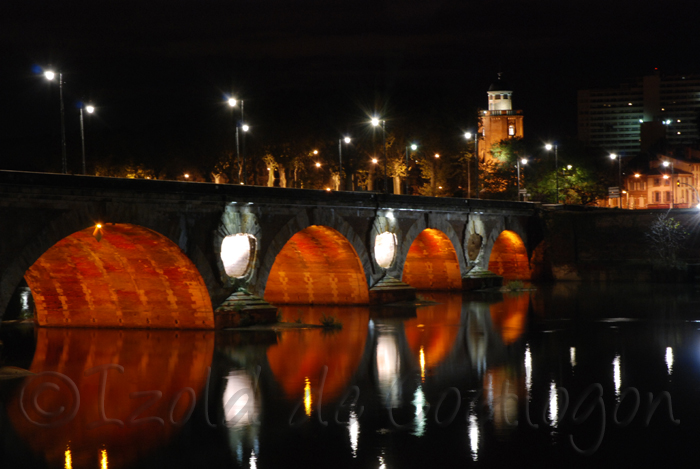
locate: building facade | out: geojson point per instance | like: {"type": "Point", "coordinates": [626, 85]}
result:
{"type": "Point", "coordinates": [500, 122]}
{"type": "Point", "coordinates": [667, 183]}
{"type": "Point", "coordinates": [631, 117]}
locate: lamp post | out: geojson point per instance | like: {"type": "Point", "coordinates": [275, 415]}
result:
{"type": "Point", "coordinates": [375, 123]}
{"type": "Point", "coordinates": [524, 162]}
{"type": "Point", "coordinates": [667, 164]}
{"type": "Point", "coordinates": [50, 75]}
{"type": "Point", "coordinates": [468, 136]}
{"type": "Point", "coordinates": [549, 147]}
{"type": "Point", "coordinates": [90, 109]}
{"type": "Point", "coordinates": [347, 140]}
{"type": "Point", "coordinates": [414, 147]}
{"type": "Point", "coordinates": [433, 181]}
{"type": "Point", "coordinates": [370, 184]}
{"type": "Point", "coordinates": [232, 102]}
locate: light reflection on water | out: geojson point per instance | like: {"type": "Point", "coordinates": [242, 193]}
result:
{"type": "Point", "coordinates": [499, 354]}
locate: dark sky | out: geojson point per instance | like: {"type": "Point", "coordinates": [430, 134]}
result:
{"type": "Point", "coordinates": [158, 70]}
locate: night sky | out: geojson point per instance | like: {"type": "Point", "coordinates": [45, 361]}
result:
{"type": "Point", "coordinates": [159, 71]}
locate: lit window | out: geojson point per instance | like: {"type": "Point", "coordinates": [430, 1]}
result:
{"type": "Point", "coordinates": [511, 130]}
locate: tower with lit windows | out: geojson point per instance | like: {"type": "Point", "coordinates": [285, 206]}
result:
{"type": "Point", "coordinates": [500, 122]}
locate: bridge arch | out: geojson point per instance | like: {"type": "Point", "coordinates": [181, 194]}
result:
{"type": "Point", "coordinates": [51, 230]}
{"type": "Point", "coordinates": [509, 257]}
{"type": "Point", "coordinates": [433, 258]}
{"type": "Point", "coordinates": [118, 275]}
{"type": "Point", "coordinates": [316, 258]}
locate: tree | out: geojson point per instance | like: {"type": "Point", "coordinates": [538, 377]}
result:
{"type": "Point", "coordinates": [665, 237]}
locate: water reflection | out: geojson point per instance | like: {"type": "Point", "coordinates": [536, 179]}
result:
{"type": "Point", "coordinates": [481, 349]}
{"type": "Point", "coordinates": [298, 358]}
{"type": "Point", "coordinates": [106, 378]}
{"type": "Point", "coordinates": [617, 376]}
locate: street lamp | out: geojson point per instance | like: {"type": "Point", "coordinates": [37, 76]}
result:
{"type": "Point", "coordinates": [433, 181]}
{"type": "Point", "coordinates": [375, 123]}
{"type": "Point", "coordinates": [468, 136]}
{"type": "Point", "coordinates": [232, 102]}
{"type": "Point", "coordinates": [666, 165]}
{"type": "Point", "coordinates": [524, 162]}
{"type": "Point", "coordinates": [347, 140]}
{"type": "Point", "coordinates": [549, 147]}
{"type": "Point", "coordinates": [413, 147]}
{"type": "Point", "coordinates": [50, 75]}
{"type": "Point", "coordinates": [90, 109]}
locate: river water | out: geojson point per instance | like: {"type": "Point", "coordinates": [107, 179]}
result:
{"type": "Point", "coordinates": [568, 375]}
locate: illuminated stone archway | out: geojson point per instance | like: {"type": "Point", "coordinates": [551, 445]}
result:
{"type": "Point", "coordinates": [431, 263]}
{"type": "Point", "coordinates": [131, 277]}
{"type": "Point", "coordinates": [318, 265]}
{"type": "Point", "coordinates": [509, 257]}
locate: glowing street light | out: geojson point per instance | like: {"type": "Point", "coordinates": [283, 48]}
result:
{"type": "Point", "coordinates": [673, 190]}
{"type": "Point", "coordinates": [233, 102]}
{"type": "Point", "coordinates": [375, 123]}
{"type": "Point", "coordinates": [50, 75]}
{"type": "Point", "coordinates": [549, 147]}
{"type": "Point", "coordinates": [90, 109]}
{"type": "Point", "coordinates": [414, 147]}
{"type": "Point", "coordinates": [433, 179]}
{"type": "Point", "coordinates": [347, 141]}
{"type": "Point", "coordinates": [522, 161]}
{"type": "Point", "coordinates": [468, 136]}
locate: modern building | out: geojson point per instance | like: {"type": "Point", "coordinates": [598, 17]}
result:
{"type": "Point", "coordinates": [500, 122]}
{"type": "Point", "coordinates": [635, 115]}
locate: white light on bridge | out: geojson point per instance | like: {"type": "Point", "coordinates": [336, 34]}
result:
{"type": "Point", "coordinates": [385, 249]}
{"type": "Point", "coordinates": [49, 75]}
{"type": "Point", "coordinates": [237, 254]}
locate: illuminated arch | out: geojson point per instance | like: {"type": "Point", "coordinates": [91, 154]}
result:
{"type": "Point", "coordinates": [431, 263]}
{"type": "Point", "coordinates": [318, 265]}
{"type": "Point", "coordinates": [509, 257]}
{"type": "Point", "coordinates": [132, 277]}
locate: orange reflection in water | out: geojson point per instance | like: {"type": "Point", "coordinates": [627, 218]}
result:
{"type": "Point", "coordinates": [168, 362]}
{"type": "Point", "coordinates": [434, 329]}
{"type": "Point", "coordinates": [301, 354]}
{"type": "Point", "coordinates": [509, 316]}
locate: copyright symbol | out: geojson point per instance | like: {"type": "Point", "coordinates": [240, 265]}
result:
{"type": "Point", "coordinates": [60, 411]}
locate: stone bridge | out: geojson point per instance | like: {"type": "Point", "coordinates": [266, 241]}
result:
{"type": "Point", "coordinates": [109, 252]}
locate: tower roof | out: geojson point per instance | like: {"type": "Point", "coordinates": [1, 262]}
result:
{"type": "Point", "coordinates": [500, 85]}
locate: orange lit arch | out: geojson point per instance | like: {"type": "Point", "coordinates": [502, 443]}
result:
{"type": "Point", "coordinates": [131, 277]}
{"type": "Point", "coordinates": [431, 263]}
{"type": "Point", "coordinates": [318, 265]}
{"type": "Point", "coordinates": [509, 257]}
